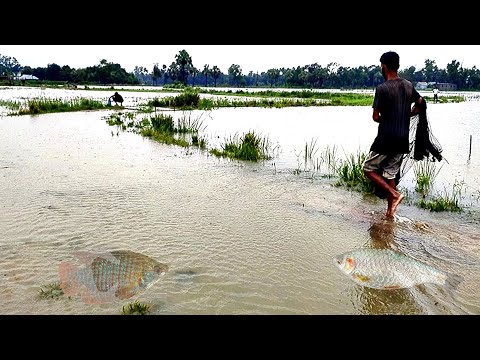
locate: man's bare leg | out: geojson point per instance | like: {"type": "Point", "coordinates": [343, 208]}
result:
{"type": "Point", "coordinates": [393, 202]}
{"type": "Point", "coordinates": [394, 198]}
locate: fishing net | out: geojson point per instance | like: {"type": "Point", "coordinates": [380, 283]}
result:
{"type": "Point", "coordinates": [423, 146]}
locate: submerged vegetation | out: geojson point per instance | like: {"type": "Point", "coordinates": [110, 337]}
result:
{"type": "Point", "coordinates": [444, 201]}
{"type": "Point", "coordinates": [44, 105]}
{"type": "Point", "coordinates": [190, 99]}
{"type": "Point", "coordinates": [351, 174]}
{"type": "Point", "coordinates": [249, 146]}
{"type": "Point", "coordinates": [186, 131]}
{"type": "Point", "coordinates": [50, 291]}
{"type": "Point", "coordinates": [136, 308]}
{"type": "Point", "coordinates": [425, 173]}
{"type": "Point", "coordinates": [162, 128]}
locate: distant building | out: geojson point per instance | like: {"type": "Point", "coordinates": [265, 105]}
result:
{"type": "Point", "coordinates": [446, 86]}
{"type": "Point", "coordinates": [421, 85]}
{"type": "Point", "coordinates": [26, 77]}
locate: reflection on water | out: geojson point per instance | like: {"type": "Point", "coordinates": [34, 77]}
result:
{"type": "Point", "coordinates": [420, 299]}
{"type": "Point", "coordinates": [370, 301]}
{"type": "Point", "coordinates": [382, 234]}
{"type": "Point", "coordinates": [100, 278]}
{"type": "Point", "coordinates": [384, 302]}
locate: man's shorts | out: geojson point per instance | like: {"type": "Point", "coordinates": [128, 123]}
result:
{"type": "Point", "coordinates": [389, 164]}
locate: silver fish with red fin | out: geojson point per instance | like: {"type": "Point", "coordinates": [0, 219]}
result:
{"type": "Point", "coordinates": [387, 269]}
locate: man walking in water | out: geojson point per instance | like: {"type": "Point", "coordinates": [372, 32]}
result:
{"type": "Point", "coordinates": [392, 108]}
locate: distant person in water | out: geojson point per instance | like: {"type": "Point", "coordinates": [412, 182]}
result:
{"type": "Point", "coordinates": [435, 95]}
{"type": "Point", "coordinates": [117, 98]}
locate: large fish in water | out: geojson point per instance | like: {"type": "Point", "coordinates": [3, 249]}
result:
{"type": "Point", "coordinates": [387, 269]}
{"type": "Point", "coordinates": [105, 277]}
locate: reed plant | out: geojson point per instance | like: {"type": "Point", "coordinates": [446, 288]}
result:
{"type": "Point", "coordinates": [311, 150]}
{"type": "Point", "coordinates": [329, 157]}
{"type": "Point", "coordinates": [351, 173]}
{"type": "Point", "coordinates": [188, 124]}
{"type": "Point", "coordinates": [425, 174]}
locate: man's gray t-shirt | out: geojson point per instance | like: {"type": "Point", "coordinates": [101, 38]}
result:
{"type": "Point", "coordinates": [394, 99]}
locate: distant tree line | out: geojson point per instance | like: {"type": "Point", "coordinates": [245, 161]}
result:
{"type": "Point", "coordinates": [182, 72]}
{"type": "Point", "coordinates": [105, 73]}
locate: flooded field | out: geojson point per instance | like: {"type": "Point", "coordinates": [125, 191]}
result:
{"type": "Point", "coordinates": [231, 237]}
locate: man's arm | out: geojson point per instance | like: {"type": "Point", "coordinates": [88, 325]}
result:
{"type": "Point", "coordinates": [377, 100]}
{"type": "Point", "coordinates": [416, 107]}
{"type": "Point", "coordinates": [376, 115]}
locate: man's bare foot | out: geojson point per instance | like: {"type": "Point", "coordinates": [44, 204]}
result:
{"type": "Point", "coordinates": [395, 203]}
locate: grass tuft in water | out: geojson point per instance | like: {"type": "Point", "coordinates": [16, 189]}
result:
{"type": "Point", "coordinates": [329, 157]}
{"type": "Point", "coordinates": [44, 106]}
{"type": "Point", "coordinates": [161, 127]}
{"type": "Point", "coordinates": [50, 291]}
{"type": "Point", "coordinates": [446, 201]}
{"type": "Point", "coordinates": [351, 173]}
{"type": "Point", "coordinates": [425, 175]}
{"type": "Point", "coordinates": [249, 146]}
{"type": "Point", "coordinates": [136, 308]}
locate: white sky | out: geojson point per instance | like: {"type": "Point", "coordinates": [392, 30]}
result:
{"type": "Point", "coordinates": [249, 57]}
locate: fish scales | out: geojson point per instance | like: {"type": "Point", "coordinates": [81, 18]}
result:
{"type": "Point", "coordinates": [104, 277]}
{"type": "Point", "coordinates": [387, 269]}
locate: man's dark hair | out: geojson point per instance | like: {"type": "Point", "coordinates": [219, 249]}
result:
{"type": "Point", "coordinates": [391, 60]}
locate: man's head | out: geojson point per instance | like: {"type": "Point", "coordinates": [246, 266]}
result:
{"type": "Point", "coordinates": [391, 61]}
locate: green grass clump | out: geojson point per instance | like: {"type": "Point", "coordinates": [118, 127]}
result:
{"type": "Point", "coordinates": [50, 291]}
{"type": "Point", "coordinates": [440, 204]}
{"type": "Point", "coordinates": [44, 106]}
{"type": "Point", "coordinates": [329, 158]}
{"type": "Point", "coordinates": [444, 202]}
{"type": "Point", "coordinates": [249, 146]}
{"type": "Point", "coordinates": [425, 174]}
{"type": "Point", "coordinates": [187, 100]}
{"type": "Point", "coordinates": [136, 308]}
{"type": "Point", "coordinates": [164, 137]}
{"type": "Point", "coordinates": [10, 104]}
{"type": "Point", "coordinates": [351, 173]}
{"type": "Point", "coordinates": [162, 128]}
{"type": "Point", "coordinates": [190, 99]}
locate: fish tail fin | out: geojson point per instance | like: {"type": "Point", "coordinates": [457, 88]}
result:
{"type": "Point", "coordinates": [452, 281]}
{"type": "Point", "coordinates": [68, 282]}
